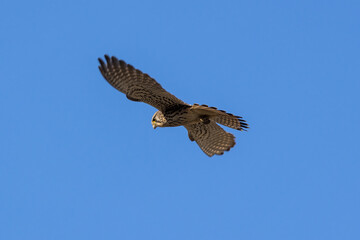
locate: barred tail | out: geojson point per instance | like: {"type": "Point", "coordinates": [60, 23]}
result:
{"type": "Point", "coordinates": [211, 138]}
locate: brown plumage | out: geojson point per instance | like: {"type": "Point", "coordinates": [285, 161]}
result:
{"type": "Point", "coordinates": [136, 85]}
{"type": "Point", "coordinates": [211, 138]}
{"type": "Point", "coordinates": [200, 120]}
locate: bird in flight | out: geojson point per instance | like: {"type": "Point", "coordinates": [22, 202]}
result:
{"type": "Point", "coordinates": [200, 121]}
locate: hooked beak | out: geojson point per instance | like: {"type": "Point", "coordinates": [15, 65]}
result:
{"type": "Point", "coordinates": [153, 125]}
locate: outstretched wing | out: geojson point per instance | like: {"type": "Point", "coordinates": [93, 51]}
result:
{"type": "Point", "coordinates": [211, 138]}
{"type": "Point", "coordinates": [220, 116]}
{"type": "Point", "coordinates": [136, 85]}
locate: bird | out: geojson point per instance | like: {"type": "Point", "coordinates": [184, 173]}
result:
{"type": "Point", "coordinates": [200, 121]}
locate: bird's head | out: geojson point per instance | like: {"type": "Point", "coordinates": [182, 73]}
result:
{"type": "Point", "coordinates": [158, 120]}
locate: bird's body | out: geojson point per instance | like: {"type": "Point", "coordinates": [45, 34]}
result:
{"type": "Point", "coordinates": [174, 117]}
{"type": "Point", "coordinates": [199, 120]}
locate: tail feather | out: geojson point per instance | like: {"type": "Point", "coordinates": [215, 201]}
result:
{"type": "Point", "coordinates": [211, 138]}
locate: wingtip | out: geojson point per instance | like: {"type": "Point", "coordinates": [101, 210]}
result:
{"type": "Point", "coordinates": [102, 66]}
{"type": "Point", "coordinates": [114, 59]}
{"type": "Point", "coordinates": [107, 58]}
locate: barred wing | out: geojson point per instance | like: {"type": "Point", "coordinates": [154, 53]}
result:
{"type": "Point", "coordinates": [221, 117]}
{"type": "Point", "coordinates": [136, 85]}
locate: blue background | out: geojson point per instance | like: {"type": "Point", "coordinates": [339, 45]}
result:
{"type": "Point", "coordinates": [80, 161]}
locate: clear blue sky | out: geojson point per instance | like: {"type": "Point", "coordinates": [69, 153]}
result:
{"type": "Point", "coordinates": [80, 161]}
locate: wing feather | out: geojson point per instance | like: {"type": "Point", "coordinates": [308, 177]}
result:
{"type": "Point", "coordinates": [221, 117]}
{"type": "Point", "coordinates": [137, 85]}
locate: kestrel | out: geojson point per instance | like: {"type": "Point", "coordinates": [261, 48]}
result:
{"type": "Point", "coordinates": [199, 120]}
